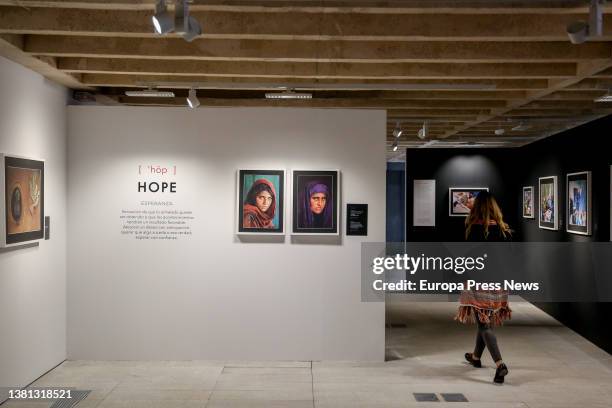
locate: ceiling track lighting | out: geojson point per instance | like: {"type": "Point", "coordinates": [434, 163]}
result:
{"type": "Point", "coordinates": [395, 146]}
{"type": "Point", "coordinates": [580, 31]}
{"type": "Point", "coordinates": [181, 23]}
{"type": "Point", "coordinates": [397, 132]}
{"type": "Point", "coordinates": [192, 99]}
{"type": "Point", "coordinates": [424, 131]}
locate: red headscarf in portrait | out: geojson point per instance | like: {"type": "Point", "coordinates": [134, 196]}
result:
{"type": "Point", "coordinates": [252, 216]}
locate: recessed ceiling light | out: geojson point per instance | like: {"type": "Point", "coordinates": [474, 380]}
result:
{"type": "Point", "coordinates": [605, 98]}
{"type": "Point", "coordinates": [150, 93]}
{"type": "Point", "coordinates": [499, 131]}
{"type": "Point", "coordinates": [289, 94]}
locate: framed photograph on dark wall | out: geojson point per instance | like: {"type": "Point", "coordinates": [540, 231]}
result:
{"type": "Point", "coordinates": [548, 208]}
{"type": "Point", "coordinates": [315, 202]}
{"type": "Point", "coordinates": [261, 202]}
{"type": "Point", "coordinates": [461, 200]}
{"type": "Point", "coordinates": [528, 211]}
{"type": "Point", "coordinates": [579, 203]}
{"type": "Point", "coordinates": [357, 219]}
{"type": "Point", "coordinates": [22, 184]}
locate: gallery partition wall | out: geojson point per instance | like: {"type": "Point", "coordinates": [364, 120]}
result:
{"type": "Point", "coordinates": [578, 156]}
{"type": "Point", "coordinates": [210, 286]}
{"type": "Point", "coordinates": [33, 278]}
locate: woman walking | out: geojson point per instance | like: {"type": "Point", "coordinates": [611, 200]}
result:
{"type": "Point", "coordinates": [487, 308]}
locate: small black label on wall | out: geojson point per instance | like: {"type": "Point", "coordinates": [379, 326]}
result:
{"type": "Point", "coordinates": [356, 219]}
{"type": "Point", "coordinates": [47, 227]}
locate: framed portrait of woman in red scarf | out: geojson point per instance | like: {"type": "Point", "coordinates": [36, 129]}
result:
{"type": "Point", "coordinates": [261, 202]}
{"type": "Point", "coordinates": [315, 202]}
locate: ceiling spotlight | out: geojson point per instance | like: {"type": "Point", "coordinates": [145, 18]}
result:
{"type": "Point", "coordinates": [151, 93]}
{"type": "Point", "coordinates": [181, 23]}
{"type": "Point", "coordinates": [499, 132]}
{"type": "Point", "coordinates": [163, 21]}
{"type": "Point", "coordinates": [521, 126]}
{"type": "Point", "coordinates": [192, 99]}
{"type": "Point", "coordinates": [397, 132]}
{"type": "Point", "coordinates": [193, 29]}
{"type": "Point", "coordinates": [394, 146]}
{"type": "Point", "coordinates": [424, 131]}
{"type": "Point", "coordinates": [580, 31]}
{"type": "Point", "coordinates": [288, 94]}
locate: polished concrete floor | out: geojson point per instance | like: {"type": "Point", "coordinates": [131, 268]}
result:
{"type": "Point", "coordinates": [550, 366]}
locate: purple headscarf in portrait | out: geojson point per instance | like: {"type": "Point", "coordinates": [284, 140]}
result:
{"type": "Point", "coordinates": [307, 218]}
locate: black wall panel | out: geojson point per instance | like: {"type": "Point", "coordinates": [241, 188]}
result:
{"type": "Point", "coordinates": [505, 172]}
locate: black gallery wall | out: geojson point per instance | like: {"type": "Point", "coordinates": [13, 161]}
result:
{"type": "Point", "coordinates": [505, 172]}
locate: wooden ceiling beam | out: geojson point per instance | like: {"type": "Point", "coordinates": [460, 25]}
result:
{"type": "Point", "coordinates": [10, 47]}
{"type": "Point", "coordinates": [228, 82]}
{"type": "Point", "coordinates": [352, 103]}
{"type": "Point", "coordinates": [311, 51]}
{"type": "Point", "coordinates": [516, 108]}
{"type": "Point", "coordinates": [291, 25]}
{"type": "Point", "coordinates": [341, 6]}
{"type": "Point", "coordinates": [316, 70]}
{"type": "Point", "coordinates": [429, 96]}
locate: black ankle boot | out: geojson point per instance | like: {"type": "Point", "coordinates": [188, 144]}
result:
{"type": "Point", "coordinates": [500, 373]}
{"type": "Point", "coordinates": [474, 362]}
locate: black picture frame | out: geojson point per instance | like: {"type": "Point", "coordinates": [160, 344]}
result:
{"type": "Point", "coordinates": [301, 179]}
{"type": "Point", "coordinates": [357, 219]}
{"type": "Point", "coordinates": [10, 188]}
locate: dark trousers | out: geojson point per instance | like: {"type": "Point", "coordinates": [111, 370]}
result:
{"type": "Point", "coordinates": [486, 337]}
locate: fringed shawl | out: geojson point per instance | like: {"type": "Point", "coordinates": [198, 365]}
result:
{"type": "Point", "coordinates": [489, 306]}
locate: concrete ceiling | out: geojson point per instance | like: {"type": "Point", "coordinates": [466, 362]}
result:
{"type": "Point", "coordinates": [466, 68]}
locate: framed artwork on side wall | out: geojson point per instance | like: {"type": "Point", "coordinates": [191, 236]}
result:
{"type": "Point", "coordinates": [22, 183]}
{"type": "Point", "coordinates": [315, 202]}
{"type": "Point", "coordinates": [528, 202]}
{"type": "Point", "coordinates": [579, 203]}
{"type": "Point", "coordinates": [548, 203]}
{"type": "Point", "coordinates": [461, 200]}
{"type": "Point", "coordinates": [261, 202]}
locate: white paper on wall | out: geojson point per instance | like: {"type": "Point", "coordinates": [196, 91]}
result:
{"type": "Point", "coordinates": [424, 208]}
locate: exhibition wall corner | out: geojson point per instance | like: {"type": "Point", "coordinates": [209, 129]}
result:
{"type": "Point", "coordinates": [33, 274]}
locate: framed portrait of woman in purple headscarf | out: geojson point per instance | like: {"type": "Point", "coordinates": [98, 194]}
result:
{"type": "Point", "coordinates": [316, 202]}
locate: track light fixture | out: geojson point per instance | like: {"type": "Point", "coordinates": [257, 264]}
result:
{"type": "Point", "coordinates": [424, 131]}
{"type": "Point", "coordinates": [163, 21]}
{"type": "Point", "coordinates": [397, 132]}
{"type": "Point", "coordinates": [580, 31]}
{"type": "Point", "coordinates": [522, 126]}
{"type": "Point", "coordinates": [192, 99]}
{"type": "Point", "coordinates": [181, 23]}
{"type": "Point", "coordinates": [394, 146]}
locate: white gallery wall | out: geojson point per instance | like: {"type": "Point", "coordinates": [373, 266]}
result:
{"type": "Point", "coordinates": [33, 279]}
{"type": "Point", "coordinates": [211, 294]}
